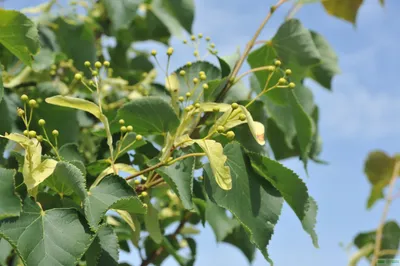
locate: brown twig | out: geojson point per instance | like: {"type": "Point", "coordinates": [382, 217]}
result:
{"type": "Point", "coordinates": [160, 250]}
{"type": "Point", "coordinates": [379, 231]}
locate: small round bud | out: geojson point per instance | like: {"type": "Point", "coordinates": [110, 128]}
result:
{"type": "Point", "coordinates": [94, 73]}
{"type": "Point", "coordinates": [197, 105]}
{"type": "Point", "coordinates": [91, 83]}
{"type": "Point", "coordinates": [212, 45]}
{"type": "Point", "coordinates": [39, 100]}
{"type": "Point", "coordinates": [144, 194]}
{"type": "Point", "coordinates": [201, 178]}
{"type": "Point", "coordinates": [189, 64]}
{"type": "Point", "coordinates": [196, 53]}
{"type": "Point", "coordinates": [53, 67]}
{"type": "Point", "coordinates": [272, 9]}
{"type": "Point", "coordinates": [121, 121]}
{"type": "Point", "coordinates": [78, 76]}
{"type": "Point", "coordinates": [230, 135]}
{"type": "Point", "coordinates": [170, 51]}
{"type": "Point", "coordinates": [144, 74]}
{"type": "Point", "coordinates": [98, 64]}
{"type": "Point", "coordinates": [39, 138]}
{"type": "Point", "coordinates": [187, 108]}
{"type": "Point", "coordinates": [137, 182]}
{"type": "Point", "coordinates": [271, 68]}
{"type": "Point", "coordinates": [269, 43]}
{"type": "Point", "coordinates": [181, 99]}
{"type": "Point", "coordinates": [188, 94]}
{"type": "Point", "coordinates": [205, 86]}
{"type": "Point", "coordinates": [216, 109]}
{"type": "Point", "coordinates": [182, 73]}
{"type": "Point", "coordinates": [292, 85]}
{"type": "Point", "coordinates": [139, 137]}
{"type": "Point", "coordinates": [282, 81]}
{"type": "Point", "coordinates": [203, 77]}
{"type": "Point", "coordinates": [129, 128]}
{"type": "Point", "coordinates": [32, 134]}
{"type": "Point", "coordinates": [145, 205]}
{"type": "Point", "coordinates": [123, 129]}
{"type": "Point", "coordinates": [234, 105]}
{"type": "Point", "coordinates": [153, 52]}
{"type": "Point", "coordinates": [41, 122]}
{"type": "Point", "coordinates": [288, 72]}
{"type": "Point", "coordinates": [278, 63]}
{"type": "Point", "coordinates": [193, 38]}
{"type": "Point", "coordinates": [55, 132]}
{"type": "Point", "coordinates": [200, 35]}
{"type": "Point", "coordinates": [53, 73]}
{"type": "Point", "coordinates": [208, 38]}
{"type": "Point", "coordinates": [32, 103]}
{"type": "Point", "coordinates": [242, 117]}
{"type": "Point", "coordinates": [87, 64]}
{"type": "Point", "coordinates": [195, 80]}
{"type": "Point", "coordinates": [184, 41]}
{"type": "Point", "coordinates": [220, 129]}
{"type": "Point", "coordinates": [24, 97]}
{"type": "Point", "coordinates": [20, 112]}
{"type": "Point", "coordinates": [170, 159]}
{"type": "Point", "coordinates": [106, 63]}
{"type": "Point", "coordinates": [26, 133]}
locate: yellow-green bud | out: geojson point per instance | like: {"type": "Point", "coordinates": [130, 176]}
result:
{"type": "Point", "coordinates": [189, 64]}
{"type": "Point", "coordinates": [55, 132]}
{"type": "Point", "coordinates": [32, 134]}
{"type": "Point", "coordinates": [271, 68]}
{"type": "Point", "coordinates": [24, 97]}
{"type": "Point", "coordinates": [91, 83]}
{"type": "Point", "coordinates": [182, 73]}
{"type": "Point", "coordinates": [145, 205]}
{"type": "Point", "coordinates": [215, 109]}
{"type": "Point", "coordinates": [242, 117]}
{"type": "Point", "coordinates": [121, 121]}
{"type": "Point", "coordinates": [41, 122]}
{"type": "Point", "coordinates": [123, 129]}
{"type": "Point", "coordinates": [234, 105]}
{"type": "Point", "coordinates": [144, 194]}
{"type": "Point", "coordinates": [39, 138]}
{"type": "Point", "coordinates": [278, 63]}
{"type": "Point", "coordinates": [53, 73]}
{"type": "Point", "coordinates": [196, 53]}
{"type": "Point", "coordinates": [193, 38]}
{"type": "Point", "coordinates": [87, 64]}
{"type": "Point", "coordinates": [197, 105]}
{"type": "Point", "coordinates": [288, 72]}
{"type": "Point", "coordinates": [137, 182]}
{"type": "Point", "coordinates": [153, 52]}
{"type": "Point", "coordinates": [139, 137]}
{"type": "Point", "coordinates": [203, 77]}
{"type": "Point", "coordinates": [201, 178]}
{"type": "Point", "coordinates": [144, 74]}
{"type": "Point", "coordinates": [220, 129]}
{"type": "Point", "coordinates": [78, 76]}
{"type": "Point", "coordinates": [212, 45]}
{"type": "Point", "coordinates": [98, 64]}
{"type": "Point", "coordinates": [94, 73]}
{"type": "Point", "coordinates": [20, 112]}
{"type": "Point", "coordinates": [181, 99]}
{"type": "Point", "coordinates": [32, 103]}
{"type": "Point", "coordinates": [205, 86]}
{"type": "Point", "coordinates": [230, 135]}
{"type": "Point", "coordinates": [106, 63]}
{"type": "Point", "coordinates": [26, 132]}
{"type": "Point", "coordinates": [53, 67]}
{"type": "Point", "coordinates": [200, 35]}
{"type": "Point", "coordinates": [282, 81]}
{"type": "Point", "coordinates": [185, 41]}
{"type": "Point", "coordinates": [188, 94]}
{"type": "Point", "coordinates": [195, 80]}
{"type": "Point", "coordinates": [292, 85]}
{"type": "Point", "coordinates": [170, 51]}
{"type": "Point", "coordinates": [129, 128]}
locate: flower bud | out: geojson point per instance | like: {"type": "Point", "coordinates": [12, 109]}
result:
{"type": "Point", "coordinates": [129, 128]}
{"type": "Point", "coordinates": [41, 122]}
{"type": "Point", "coordinates": [205, 86]}
{"type": "Point", "coordinates": [139, 137]}
{"type": "Point", "coordinates": [87, 64]}
{"type": "Point", "coordinates": [220, 129]}
{"type": "Point", "coordinates": [78, 76]}
{"type": "Point", "coordinates": [123, 129]}
{"type": "Point", "coordinates": [106, 63]}
{"type": "Point", "coordinates": [55, 132]}
{"type": "Point", "coordinates": [98, 64]}
{"type": "Point", "coordinates": [234, 106]}
{"type": "Point", "coordinates": [24, 97]}
{"type": "Point", "coordinates": [230, 135]}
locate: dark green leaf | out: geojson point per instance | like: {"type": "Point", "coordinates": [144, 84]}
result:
{"type": "Point", "coordinates": [43, 60]}
{"type": "Point", "coordinates": [179, 177]}
{"type": "Point", "coordinates": [70, 152]}
{"type": "Point", "coordinates": [346, 10]}
{"type": "Point", "coordinates": [112, 193]}
{"type": "Point", "coordinates": [1, 83]}
{"type": "Point", "coordinates": [34, 233]}
{"type": "Point", "coordinates": [148, 28]}
{"type": "Point", "coordinates": [121, 12]}
{"type": "Point", "coordinates": [5, 250]}
{"type": "Point", "coordinates": [219, 221]}
{"type": "Point", "coordinates": [152, 223]}
{"type": "Point", "coordinates": [19, 35]}
{"type": "Point", "coordinates": [10, 203]}
{"type": "Point", "coordinates": [240, 239]}
{"type": "Point", "coordinates": [104, 249]}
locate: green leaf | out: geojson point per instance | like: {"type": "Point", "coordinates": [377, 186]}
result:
{"type": "Point", "coordinates": [324, 72]}
{"type": "Point", "coordinates": [256, 128]}
{"type": "Point", "coordinates": [148, 28]}
{"type": "Point", "coordinates": [252, 199]}
{"type": "Point", "coordinates": [1, 84]}
{"type": "Point", "coordinates": [149, 115]}
{"type": "Point", "coordinates": [240, 239]}
{"type": "Point", "coordinates": [19, 35]}
{"type": "Point", "coordinates": [10, 203]}
{"type": "Point", "coordinates": [221, 224]}
{"type": "Point", "coordinates": [112, 193]}
{"type": "Point", "coordinates": [7, 118]}
{"type": "Point", "coordinates": [291, 187]}
{"type": "Point", "coordinates": [104, 249]}
{"type": "Point", "coordinates": [175, 14]}
{"type": "Point", "coordinates": [76, 40]}
{"type": "Point", "coordinates": [5, 250]}
{"type": "Point", "coordinates": [390, 239]}
{"type": "Point", "coordinates": [121, 12]}
{"type": "Point", "coordinates": [215, 154]}
{"type": "Point", "coordinates": [70, 152]}
{"type": "Point", "coordinates": [179, 177]}
{"type": "Point", "coordinates": [344, 9]}
{"type": "Point", "coordinates": [43, 60]}
{"type": "Point", "coordinates": [67, 179]}
{"type": "Point", "coordinates": [75, 103]}
{"type": "Point", "coordinates": [152, 223]}
{"type": "Point", "coordinates": [34, 233]}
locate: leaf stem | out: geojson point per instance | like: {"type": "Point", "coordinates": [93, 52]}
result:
{"type": "Point", "coordinates": [263, 68]}
{"type": "Point", "coordinates": [379, 231]}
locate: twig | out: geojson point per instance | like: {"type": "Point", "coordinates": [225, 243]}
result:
{"type": "Point", "coordinates": [161, 249]}
{"type": "Point", "coordinates": [293, 10]}
{"type": "Point", "coordinates": [379, 231]}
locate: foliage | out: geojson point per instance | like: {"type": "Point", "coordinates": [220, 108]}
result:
{"type": "Point", "coordinates": [96, 152]}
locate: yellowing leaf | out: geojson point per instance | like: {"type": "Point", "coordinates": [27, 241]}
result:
{"type": "Point", "coordinates": [127, 218]}
{"type": "Point", "coordinates": [183, 141]}
{"type": "Point", "coordinates": [215, 154]}
{"type": "Point", "coordinates": [109, 170]}
{"type": "Point", "coordinates": [256, 128]}
{"type": "Point", "coordinates": [76, 103]}
{"type": "Point", "coordinates": [41, 172]}
{"type": "Point", "coordinates": [172, 82]}
{"type": "Point", "coordinates": [344, 9]}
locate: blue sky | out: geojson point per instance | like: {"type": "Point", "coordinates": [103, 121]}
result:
{"type": "Point", "coordinates": [358, 116]}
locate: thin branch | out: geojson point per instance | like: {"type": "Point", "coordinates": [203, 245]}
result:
{"type": "Point", "coordinates": [295, 8]}
{"type": "Point", "coordinates": [379, 231]}
{"type": "Point", "coordinates": [22, 85]}
{"type": "Point", "coordinates": [389, 252]}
